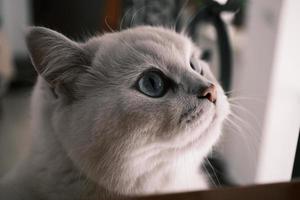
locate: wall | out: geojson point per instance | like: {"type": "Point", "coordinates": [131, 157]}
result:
{"type": "Point", "coordinates": [16, 19]}
{"type": "Point", "coordinates": [262, 148]}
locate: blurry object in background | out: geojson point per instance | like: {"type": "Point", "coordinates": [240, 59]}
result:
{"type": "Point", "coordinates": [207, 21]}
{"type": "Point", "coordinates": [154, 12]}
{"type": "Point", "coordinates": [240, 15]}
{"type": "Point", "coordinates": [74, 18]}
{"type": "Point", "coordinates": [266, 85]}
{"type": "Point", "coordinates": [296, 168]}
{"type": "Point", "coordinates": [15, 18]}
{"type": "Point", "coordinates": [112, 15]}
{"type": "Point", "coordinates": [221, 2]}
{"type": "Point", "coordinates": [6, 67]}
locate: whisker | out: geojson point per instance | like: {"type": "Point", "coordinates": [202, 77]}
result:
{"type": "Point", "coordinates": [244, 122]}
{"type": "Point", "coordinates": [241, 108]}
{"type": "Point", "coordinates": [230, 92]}
{"type": "Point", "coordinates": [213, 170]}
{"type": "Point", "coordinates": [108, 26]}
{"type": "Point", "coordinates": [184, 6]}
{"type": "Point", "coordinates": [236, 127]}
{"type": "Point", "coordinates": [239, 98]}
{"type": "Point", "coordinates": [211, 180]}
{"type": "Point", "coordinates": [134, 14]}
{"type": "Point", "coordinates": [124, 17]}
{"type": "Point", "coordinates": [189, 21]}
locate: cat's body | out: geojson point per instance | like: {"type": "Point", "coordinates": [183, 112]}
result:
{"type": "Point", "coordinates": [102, 132]}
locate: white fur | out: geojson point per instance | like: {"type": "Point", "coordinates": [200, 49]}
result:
{"type": "Point", "coordinates": [97, 138]}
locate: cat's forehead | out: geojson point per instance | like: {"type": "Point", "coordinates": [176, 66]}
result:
{"type": "Point", "coordinates": [152, 45]}
{"type": "Point", "coordinates": [159, 40]}
{"type": "Point", "coordinates": [147, 38]}
{"type": "Point", "coordinates": [157, 35]}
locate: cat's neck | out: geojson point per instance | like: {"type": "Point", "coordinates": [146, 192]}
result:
{"type": "Point", "coordinates": [179, 173]}
{"type": "Point", "coordinates": [49, 173]}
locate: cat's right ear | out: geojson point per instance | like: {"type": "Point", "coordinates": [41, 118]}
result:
{"type": "Point", "coordinates": [56, 58]}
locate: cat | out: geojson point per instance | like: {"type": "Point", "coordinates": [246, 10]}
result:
{"type": "Point", "coordinates": [124, 114]}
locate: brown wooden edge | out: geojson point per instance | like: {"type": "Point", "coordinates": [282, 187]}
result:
{"type": "Point", "coordinates": [277, 191]}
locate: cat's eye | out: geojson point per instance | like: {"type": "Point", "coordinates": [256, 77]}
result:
{"type": "Point", "coordinates": [152, 84]}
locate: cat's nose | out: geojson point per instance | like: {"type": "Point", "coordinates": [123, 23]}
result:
{"type": "Point", "coordinates": [209, 92]}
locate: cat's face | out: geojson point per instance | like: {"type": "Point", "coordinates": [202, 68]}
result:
{"type": "Point", "coordinates": [125, 101]}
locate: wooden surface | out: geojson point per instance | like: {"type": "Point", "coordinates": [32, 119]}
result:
{"type": "Point", "coordinates": [278, 191]}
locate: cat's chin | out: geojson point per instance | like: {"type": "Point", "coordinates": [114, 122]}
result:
{"type": "Point", "coordinates": [205, 128]}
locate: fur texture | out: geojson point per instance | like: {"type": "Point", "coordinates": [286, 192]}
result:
{"type": "Point", "coordinates": [97, 136]}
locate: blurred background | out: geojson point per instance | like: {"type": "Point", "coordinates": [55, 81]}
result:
{"type": "Point", "coordinates": [251, 45]}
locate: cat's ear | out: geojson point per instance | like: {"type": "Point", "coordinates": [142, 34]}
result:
{"type": "Point", "coordinates": [56, 58]}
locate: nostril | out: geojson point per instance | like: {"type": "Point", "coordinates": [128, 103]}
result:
{"type": "Point", "coordinates": [209, 93]}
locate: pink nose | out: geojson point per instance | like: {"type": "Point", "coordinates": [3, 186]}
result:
{"type": "Point", "coordinates": [209, 93]}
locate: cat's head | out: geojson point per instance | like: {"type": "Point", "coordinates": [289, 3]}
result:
{"type": "Point", "coordinates": [123, 102]}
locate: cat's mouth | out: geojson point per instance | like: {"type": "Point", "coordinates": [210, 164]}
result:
{"type": "Point", "coordinates": [194, 114]}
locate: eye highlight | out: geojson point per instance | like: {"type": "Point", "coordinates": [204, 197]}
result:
{"type": "Point", "coordinates": [152, 84]}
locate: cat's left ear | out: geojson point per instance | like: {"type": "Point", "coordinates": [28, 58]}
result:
{"type": "Point", "coordinates": [56, 58]}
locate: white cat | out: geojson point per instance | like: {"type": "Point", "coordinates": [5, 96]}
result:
{"type": "Point", "coordinates": [124, 114]}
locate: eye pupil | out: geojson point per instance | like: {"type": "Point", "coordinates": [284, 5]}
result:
{"type": "Point", "coordinates": [152, 84]}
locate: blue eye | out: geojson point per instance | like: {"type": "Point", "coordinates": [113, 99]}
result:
{"type": "Point", "coordinates": [152, 84]}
